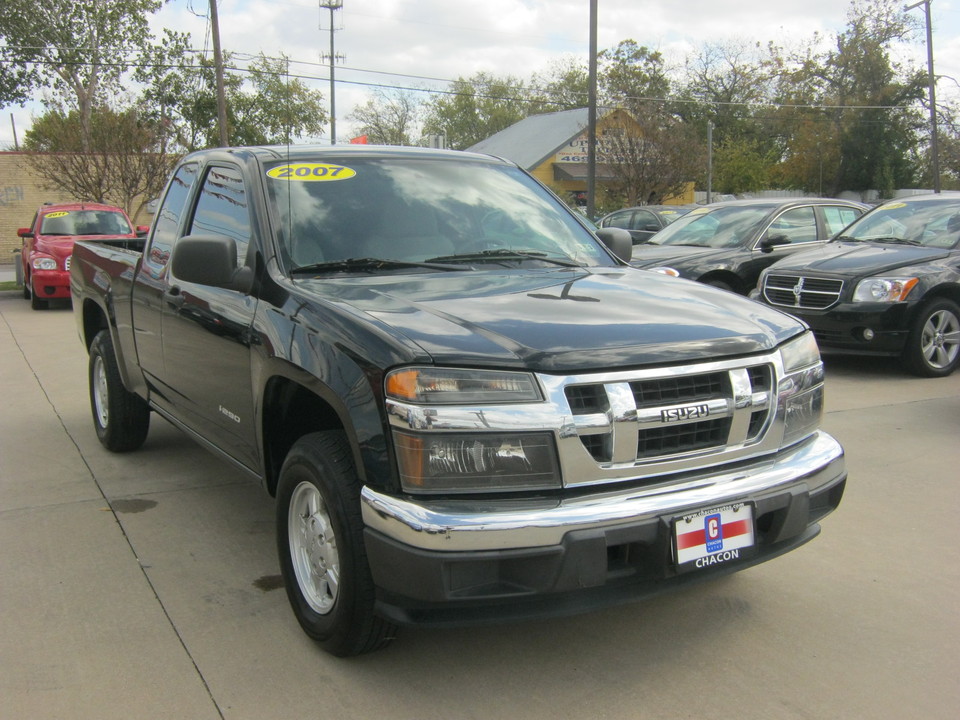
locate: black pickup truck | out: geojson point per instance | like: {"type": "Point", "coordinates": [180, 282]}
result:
{"type": "Point", "coordinates": [468, 407]}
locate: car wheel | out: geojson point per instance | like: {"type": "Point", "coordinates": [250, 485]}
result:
{"type": "Point", "coordinates": [36, 303]}
{"type": "Point", "coordinates": [933, 346]}
{"type": "Point", "coordinates": [320, 541]}
{"type": "Point", "coordinates": [121, 418]}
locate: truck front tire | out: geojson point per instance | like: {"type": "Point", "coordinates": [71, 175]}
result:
{"type": "Point", "coordinates": [121, 418]}
{"type": "Point", "coordinates": [320, 541]}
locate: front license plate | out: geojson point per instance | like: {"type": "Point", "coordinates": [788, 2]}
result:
{"type": "Point", "coordinates": [713, 537]}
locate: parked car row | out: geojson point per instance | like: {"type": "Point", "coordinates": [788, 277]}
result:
{"type": "Point", "coordinates": [882, 281]}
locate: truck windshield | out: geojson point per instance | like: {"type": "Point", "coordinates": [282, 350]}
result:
{"type": "Point", "coordinates": [417, 210]}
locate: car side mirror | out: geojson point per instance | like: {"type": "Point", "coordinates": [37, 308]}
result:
{"type": "Point", "coordinates": [618, 241]}
{"type": "Point", "coordinates": [24, 232]}
{"type": "Point", "coordinates": [772, 241]}
{"type": "Point", "coordinates": [142, 230]}
{"type": "Point", "coordinates": [210, 260]}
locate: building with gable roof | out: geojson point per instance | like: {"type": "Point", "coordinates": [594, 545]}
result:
{"type": "Point", "coordinates": [553, 148]}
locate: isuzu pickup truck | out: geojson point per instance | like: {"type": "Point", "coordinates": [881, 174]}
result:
{"type": "Point", "coordinates": [468, 407]}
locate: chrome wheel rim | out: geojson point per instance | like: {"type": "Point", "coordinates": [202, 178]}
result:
{"type": "Point", "coordinates": [940, 340]}
{"type": "Point", "coordinates": [100, 393]}
{"type": "Point", "coordinates": [313, 548]}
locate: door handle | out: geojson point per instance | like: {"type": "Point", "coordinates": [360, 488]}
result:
{"type": "Point", "coordinates": [173, 297]}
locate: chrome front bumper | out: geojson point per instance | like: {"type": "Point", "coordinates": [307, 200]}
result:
{"type": "Point", "coordinates": [475, 525]}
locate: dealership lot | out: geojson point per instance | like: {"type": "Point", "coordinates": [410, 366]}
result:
{"type": "Point", "coordinates": [146, 585]}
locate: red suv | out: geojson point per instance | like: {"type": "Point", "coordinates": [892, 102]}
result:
{"type": "Point", "coordinates": [48, 245]}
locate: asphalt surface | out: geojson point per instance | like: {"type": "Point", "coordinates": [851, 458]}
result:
{"type": "Point", "coordinates": [146, 585]}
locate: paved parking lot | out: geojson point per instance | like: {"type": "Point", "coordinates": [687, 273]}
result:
{"type": "Point", "coordinates": [146, 585]}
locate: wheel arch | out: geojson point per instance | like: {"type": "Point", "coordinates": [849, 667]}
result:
{"type": "Point", "coordinates": [725, 276]}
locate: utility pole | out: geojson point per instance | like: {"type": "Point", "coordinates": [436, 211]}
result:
{"type": "Point", "coordinates": [592, 117]}
{"type": "Point", "coordinates": [218, 65]}
{"type": "Point", "coordinates": [709, 161]}
{"type": "Point", "coordinates": [932, 84]}
{"type": "Point", "coordinates": [332, 5]}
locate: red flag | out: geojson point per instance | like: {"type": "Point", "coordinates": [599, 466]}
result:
{"type": "Point", "coordinates": [361, 140]}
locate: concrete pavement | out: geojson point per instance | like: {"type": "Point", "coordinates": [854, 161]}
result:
{"type": "Point", "coordinates": [146, 585]}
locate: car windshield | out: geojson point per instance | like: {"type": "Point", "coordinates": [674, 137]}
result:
{"type": "Point", "coordinates": [417, 210]}
{"type": "Point", "coordinates": [85, 222]}
{"type": "Point", "coordinates": [930, 223]}
{"type": "Point", "coordinates": [720, 227]}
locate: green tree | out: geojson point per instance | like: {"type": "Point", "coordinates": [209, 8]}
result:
{"type": "Point", "coordinates": [631, 75]}
{"type": "Point", "coordinates": [564, 86]}
{"type": "Point", "coordinates": [389, 118]}
{"type": "Point", "coordinates": [79, 50]}
{"type": "Point", "coordinates": [866, 106]}
{"type": "Point", "coordinates": [476, 108]}
{"type": "Point", "coordinates": [264, 104]}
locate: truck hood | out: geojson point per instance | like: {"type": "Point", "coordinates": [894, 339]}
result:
{"type": "Point", "coordinates": [558, 320]}
{"type": "Point", "coordinates": [859, 259]}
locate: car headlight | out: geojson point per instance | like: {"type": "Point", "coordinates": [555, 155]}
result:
{"type": "Point", "coordinates": [476, 462]}
{"type": "Point", "coordinates": [432, 456]}
{"type": "Point", "coordinates": [884, 289]}
{"type": "Point", "coordinates": [44, 263]}
{"type": "Point", "coordinates": [665, 271]}
{"type": "Point", "coordinates": [800, 392]}
{"type": "Point", "coordinates": [447, 386]}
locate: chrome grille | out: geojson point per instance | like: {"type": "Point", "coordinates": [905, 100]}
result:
{"type": "Point", "coordinates": [802, 292]}
{"type": "Point", "coordinates": [661, 417]}
{"type": "Point", "coordinates": [66, 262]}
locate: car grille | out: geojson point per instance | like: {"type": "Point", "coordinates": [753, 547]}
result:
{"type": "Point", "coordinates": [799, 291]}
{"type": "Point", "coordinates": [655, 419]}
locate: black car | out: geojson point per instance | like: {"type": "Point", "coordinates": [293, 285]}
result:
{"type": "Point", "coordinates": [889, 285]}
{"type": "Point", "coordinates": [728, 244]}
{"type": "Point", "coordinates": [644, 222]}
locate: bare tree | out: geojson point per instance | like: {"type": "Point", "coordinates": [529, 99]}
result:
{"type": "Point", "coordinates": [389, 118]}
{"type": "Point", "coordinates": [651, 154]}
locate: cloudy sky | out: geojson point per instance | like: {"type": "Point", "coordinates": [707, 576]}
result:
{"type": "Point", "coordinates": [422, 43]}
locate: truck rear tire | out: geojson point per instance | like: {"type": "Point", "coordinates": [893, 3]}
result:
{"type": "Point", "coordinates": [320, 541]}
{"type": "Point", "coordinates": [121, 418]}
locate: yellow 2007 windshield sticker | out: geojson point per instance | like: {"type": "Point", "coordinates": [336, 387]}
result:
{"type": "Point", "coordinates": [311, 172]}
{"type": "Point", "coordinates": [59, 213]}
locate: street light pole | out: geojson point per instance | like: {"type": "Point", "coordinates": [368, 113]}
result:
{"type": "Point", "coordinates": [931, 79]}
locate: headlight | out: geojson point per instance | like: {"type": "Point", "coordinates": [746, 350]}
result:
{"type": "Point", "coordinates": [476, 462]}
{"type": "Point", "coordinates": [884, 289]}
{"type": "Point", "coordinates": [800, 392]}
{"type": "Point", "coordinates": [665, 271]}
{"type": "Point", "coordinates": [446, 386]}
{"type": "Point", "coordinates": [44, 263]}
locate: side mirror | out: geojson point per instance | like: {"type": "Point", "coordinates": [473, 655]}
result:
{"type": "Point", "coordinates": [618, 241]}
{"type": "Point", "coordinates": [24, 232]}
{"type": "Point", "coordinates": [142, 230]}
{"type": "Point", "coordinates": [210, 260]}
{"type": "Point", "coordinates": [772, 241]}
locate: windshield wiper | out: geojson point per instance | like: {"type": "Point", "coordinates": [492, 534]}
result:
{"type": "Point", "coordinates": [366, 264]}
{"type": "Point", "coordinates": [506, 254]}
{"type": "Point", "coordinates": [893, 241]}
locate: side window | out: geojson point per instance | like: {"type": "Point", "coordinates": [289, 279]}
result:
{"type": "Point", "coordinates": [222, 209]}
{"type": "Point", "coordinates": [838, 218]}
{"type": "Point", "coordinates": [620, 220]}
{"type": "Point", "coordinates": [798, 225]}
{"type": "Point", "coordinates": [167, 223]}
{"type": "Point", "coordinates": [645, 220]}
